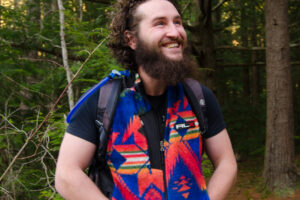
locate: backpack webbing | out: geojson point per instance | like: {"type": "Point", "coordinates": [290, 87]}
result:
{"type": "Point", "coordinates": [196, 98]}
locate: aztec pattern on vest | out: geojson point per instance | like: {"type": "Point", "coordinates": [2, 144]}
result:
{"type": "Point", "coordinates": [128, 156]}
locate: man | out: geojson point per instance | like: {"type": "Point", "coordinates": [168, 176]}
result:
{"type": "Point", "coordinates": [150, 156]}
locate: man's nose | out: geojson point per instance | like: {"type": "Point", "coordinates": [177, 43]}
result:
{"type": "Point", "coordinates": [173, 31]}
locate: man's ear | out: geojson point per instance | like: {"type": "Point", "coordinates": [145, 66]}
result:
{"type": "Point", "coordinates": [130, 38]}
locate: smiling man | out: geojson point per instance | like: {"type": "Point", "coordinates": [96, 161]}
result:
{"type": "Point", "coordinates": [155, 144]}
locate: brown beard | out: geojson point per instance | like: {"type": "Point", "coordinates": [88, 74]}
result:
{"type": "Point", "coordinates": [160, 67]}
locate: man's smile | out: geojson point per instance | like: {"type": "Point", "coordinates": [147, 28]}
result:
{"type": "Point", "coordinates": [172, 45]}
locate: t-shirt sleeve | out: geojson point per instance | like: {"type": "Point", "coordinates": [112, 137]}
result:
{"type": "Point", "coordinates": [213, 113]}
{"type": "Point", "coordinates": [82, 123]}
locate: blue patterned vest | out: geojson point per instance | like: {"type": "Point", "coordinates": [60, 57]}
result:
{"type": "Point", "coordinates": [128, 155]}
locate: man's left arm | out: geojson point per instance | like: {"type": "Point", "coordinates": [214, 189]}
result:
{"type": "Point", "coordinates": [220, 152]}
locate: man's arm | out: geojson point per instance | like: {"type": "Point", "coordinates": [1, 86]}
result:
{"type": "Point", "coordinates": [70, 180]}
{"type": "Point", "coordinates": [219, 150]}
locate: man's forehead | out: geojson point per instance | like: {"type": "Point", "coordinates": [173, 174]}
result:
{"type": "Point", "coordinates": [153, 9]}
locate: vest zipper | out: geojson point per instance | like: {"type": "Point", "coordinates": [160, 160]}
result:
{"type": "Point", "coordinates": [162, 151]}
{"type": "Point", "coordinates": [162, 154]}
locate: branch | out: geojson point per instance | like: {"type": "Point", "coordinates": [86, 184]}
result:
{"type": "Point", "coordinates": [22, 86]}
{"type": "Point", "coordinates": [241, 48]}
{"type": "Point", "coordinates": [6, 192]}
{"type": "Point", "coordinates": [294, 45]}
{"type": "Point", "coordinates": [52, 51]}
{"type": "Point", "coordinates": [48, 115]}
{"type": "Point", "coordinates": [107, 2]}
{"type": "Point", "coordinates": [185, 7]}
{"type": "Point", "coordinates": [241, 64]}
{"type": "Point", "coordinates": [46, 149]}
{"type": "Point", "coordinates": [12, 125]}
{"type": "Point", "coordinates": [294, 63]}
{"type": "Point", "coordinates": [42, 60]}
{"type": "Point", "coordinates": [218, 5]}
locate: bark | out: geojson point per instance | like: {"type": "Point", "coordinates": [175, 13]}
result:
{"type": "Point", "coordinates": [255, 69]}
{"type": "Point", "coordinates": [202, 43]}
{"type": "Point", "coordinates": [16, 4]}
{"type": "Point", "coordinates": [297, 90]}
{"type": "Point", "coordinates": [34, 11]}
{"type": "Point", "coordinates": [107, 2]}
{"type": "Point", "coordinates": [216, 7]}
{"type": "Point", "coordinates": [1, 21]}
{"type": "Point", "coordinates": [221, 81]}
{"type": "Point", "coordinates": [279, 168]}
{"type": "Point", "coordinates": [54, 8]}
{"type": "Point", "coordinates": [80, 10]}
{"type": "Point", "coordinates": [244, 29]}
{"type": "Point", "coordinates": [65, 53]}
{"type": "Point", "coordinates": [49, 50]}
{"type": "Point", "coordinates": [34, 16]}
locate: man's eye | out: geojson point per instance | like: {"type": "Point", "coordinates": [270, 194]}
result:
{"type": "Point", "coordinates": [178, 22]}
{"type": "Point", "coordinates": [160, 23]}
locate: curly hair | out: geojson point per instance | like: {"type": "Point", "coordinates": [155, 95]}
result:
{"type": "Point", "coordinates": [124, 18]}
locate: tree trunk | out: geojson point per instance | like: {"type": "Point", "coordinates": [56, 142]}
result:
{"type": "Point", "coordinates": [221, 87]}
{"type": "Point", "coordinates": [255, 79]}
{"type": "Point", "coordinates": [255, 68]}
{"type": "Point", "coordinates": [16, 4]}
{"type": "Point", "coordinates": [34, 17]}
{"type": "Point", "coordinates": [65, 53]}
{"type": "Point", "coordinates": [244, 29]}
{"type": "Point", "coordinates": [279, 169]}
{"type": "Point", "coordinates": [297, 104]}
{"type": "Point", "coordinates": [203, 43]}
{"type": "Point", "coordinates": [80, 10]}
{"type": "Point", "coordinates": [1, 21]}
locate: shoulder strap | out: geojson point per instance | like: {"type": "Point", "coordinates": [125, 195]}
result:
{"type": "Point", "coordinates": [99, 171]}
{"type": "Point", "coordinates": [109, 94]}
{"type": "Point", "coordinates": [195, 95]}
{"type": "Point", "coordinates": [107, 101]}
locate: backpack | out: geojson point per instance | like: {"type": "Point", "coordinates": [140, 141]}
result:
{"type": "Point", "coordinates": [110, 89]}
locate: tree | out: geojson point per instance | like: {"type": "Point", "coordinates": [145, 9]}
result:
{"type": "Point", "coordinates": [65, 53]}
{"type": "Point", "coordinates": [244, 39]}
{"type": "Point", "coordinates": [32, 78]}
{"type": "Point", "coordinates": [255, 70]}
{"type": "Point", "coordinates": [279, 170]}
{"type": "Point", "coordinates": [202, 41]}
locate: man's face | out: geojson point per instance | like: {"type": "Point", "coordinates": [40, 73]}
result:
{"type": "Point", "coordinates": [160, 29]}
{"type": "Point", "coordinates": [160, 67]}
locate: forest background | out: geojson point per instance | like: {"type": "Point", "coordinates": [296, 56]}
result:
{"type": "Point", "coordinates": [41, 49]}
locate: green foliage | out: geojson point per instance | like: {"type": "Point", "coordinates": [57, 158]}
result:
{"type": "Point", "coordinates": [207, 167]}
{"type": "Point", "coordinates": [34, 170]}
{"type": "Point", "coordinates": [245, 121]}
{"type": "Point", "coordinates": [32, 78]}
{"type": "Point", "coordinates": [247, 130]}
{"type": "Point", "coordinates": [48, 194]}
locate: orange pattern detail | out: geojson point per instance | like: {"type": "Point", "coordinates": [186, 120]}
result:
{"type": "Point", "coordinates": [145, 179]}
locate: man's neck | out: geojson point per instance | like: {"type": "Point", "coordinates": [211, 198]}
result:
{"type": "Point", "coordinates": [153, 87]}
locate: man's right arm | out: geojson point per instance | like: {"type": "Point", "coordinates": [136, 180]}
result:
{"type": "Point", "coordinates": [70, 180]}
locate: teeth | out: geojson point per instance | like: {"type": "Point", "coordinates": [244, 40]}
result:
{"type": "Point", "coordinates": [172, 45]}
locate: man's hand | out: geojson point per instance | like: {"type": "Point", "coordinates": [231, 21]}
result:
{"type": "Point", "coordinates": [219, 150]}
{"type": "Point", "coordinates": [70, 180]}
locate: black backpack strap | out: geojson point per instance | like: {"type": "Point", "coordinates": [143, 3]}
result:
{"type": "Point", "coordinates": [99, 171]}
{"type": "Point", "coordinates": [195, 96]}
{"type": "Point", "coordinates": [107, 101]}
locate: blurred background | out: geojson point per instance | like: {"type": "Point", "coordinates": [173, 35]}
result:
{"type": "Point", "coordinates": [257, 86]}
